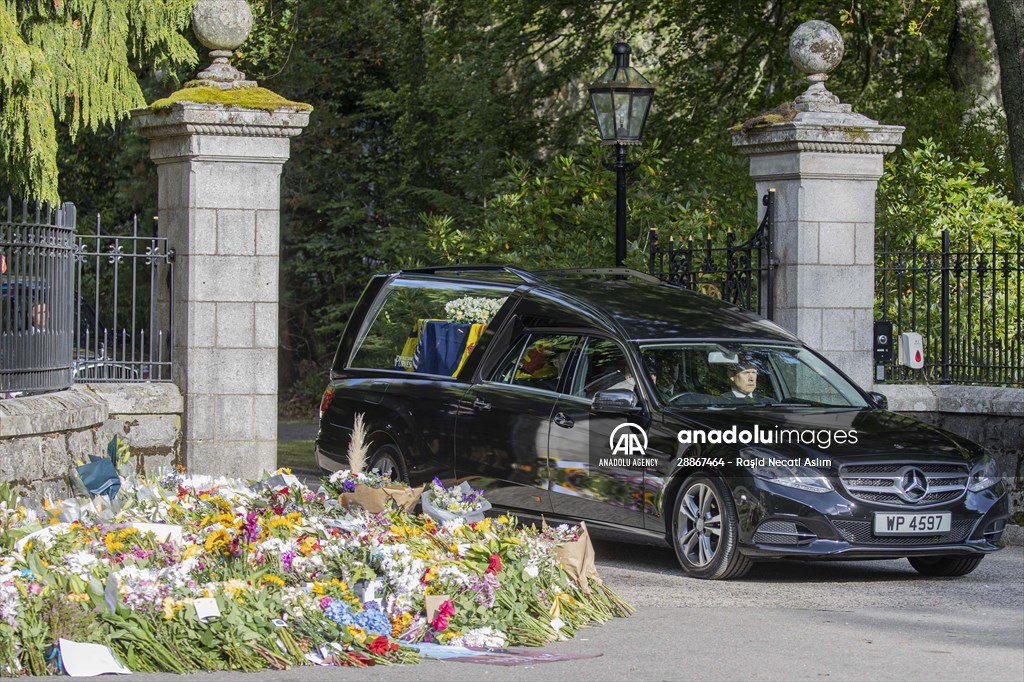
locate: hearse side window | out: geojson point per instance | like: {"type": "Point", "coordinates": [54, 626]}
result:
{"type": "Point", "coordinates": [426, 327]}
{"type": "Point", "coordinates": [536, 360]}
{"type": "Point", "coordinates": [602, 367]}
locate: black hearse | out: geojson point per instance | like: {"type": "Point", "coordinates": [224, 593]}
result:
{"type": "Point", "coordinates": [611, 397]}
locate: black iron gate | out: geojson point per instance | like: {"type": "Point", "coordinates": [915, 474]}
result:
{"type": "Point", "coordinates": [80, 307]}
{"type": "Point", "coordinates": [740, 273]}
{"type": "Point", "coordinates": [37, 247]}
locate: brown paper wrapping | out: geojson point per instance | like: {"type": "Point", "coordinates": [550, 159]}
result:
{"type": "Point", "coordinates": [577, 560]}
{"type": "Point", "coordinates": [375, 500]}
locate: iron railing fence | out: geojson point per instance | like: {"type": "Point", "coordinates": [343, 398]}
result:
{"type": "Point", "coordinates": [965, 303]}
{"type": "Point", "coordinates": [741, 273]}
{"type": "Point", "coordinates": [123, 286]}
{"type": "Point", "coordinates": [80, 307]}
{"type": "Point", "coordinates": [37, 245]}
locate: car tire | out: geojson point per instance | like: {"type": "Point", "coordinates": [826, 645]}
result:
{"type": "Point", "coordinates": [387, 458]}
{"type": "Point", "coordinates": [705, 530]}
{"type": "Point", "coordinates": [944, 566]}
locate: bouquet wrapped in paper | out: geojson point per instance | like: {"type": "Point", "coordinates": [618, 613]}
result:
{"type": "Point", "coordinates": [576, 554]}
{"type": "Point", "coordinates": [372, 491]}
{"type": "Point", "coordinates": [376, 500]}
{"type": "Point", "coordinates": [458, 502]}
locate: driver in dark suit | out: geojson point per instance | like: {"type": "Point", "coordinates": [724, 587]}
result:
{"type": "Point", "coordinates": [743, 377]}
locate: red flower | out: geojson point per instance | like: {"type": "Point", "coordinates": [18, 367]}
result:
{"type": "Point", "coordinates": [493, 564]}
{"type": "Point", "coordinates": [381, 646]}
{"type": "Point", "coordinates": [444, 612]}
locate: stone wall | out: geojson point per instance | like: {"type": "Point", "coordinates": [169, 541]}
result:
{"type": "Point", "coordinates": [41, 437]}
{"type": "Point", "coordinates": [992, 417]}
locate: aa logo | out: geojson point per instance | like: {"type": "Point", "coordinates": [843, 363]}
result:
{"type": "Point", "coordinates": [628, 440]}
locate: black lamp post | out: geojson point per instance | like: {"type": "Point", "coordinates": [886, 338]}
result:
{"type": "Point", "coordinates": [621, 99]}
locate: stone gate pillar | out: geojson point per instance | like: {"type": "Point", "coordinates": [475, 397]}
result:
{"type": "Point", "coordinates": [219, 168]}
{"type": "Point", "coordinates": [824, 162]}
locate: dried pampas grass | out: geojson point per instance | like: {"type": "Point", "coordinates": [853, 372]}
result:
{"type": "Point", "coordinates": [357, 447]}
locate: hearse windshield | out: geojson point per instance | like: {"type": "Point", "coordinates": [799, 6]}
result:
{"type": "Point", "coordinates": [716, 375]}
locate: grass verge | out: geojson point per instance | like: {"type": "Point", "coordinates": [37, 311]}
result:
{"type": "Point", "coordinates": [296, 454]}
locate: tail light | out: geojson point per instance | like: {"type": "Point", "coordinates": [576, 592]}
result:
{"type": "Point", "coordinates": [325, 402]}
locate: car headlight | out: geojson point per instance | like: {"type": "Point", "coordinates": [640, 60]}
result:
{"type": "Point", "coordinates": [984, 474]}
{"type": "Point", "coordinates": [789, 475]}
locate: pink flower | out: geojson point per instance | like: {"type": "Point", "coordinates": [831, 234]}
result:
{"type": "Point", "coordinates": [444, 612]}
{"type": "Point", "coordinates": [325, 602]}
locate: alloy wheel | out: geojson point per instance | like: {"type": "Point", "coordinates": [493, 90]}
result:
{"type": "Point", "coordinates": [699, 524]}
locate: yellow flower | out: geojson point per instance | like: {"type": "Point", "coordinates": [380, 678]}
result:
{"type": "Point", "coordinates": [278, 521]}
{"type": "Point", "coordinates": [483, 526]}
{"type": "Point", "coordinates": [110, 540]}
{"type": "Point", "coordinates": [125, 532]}
{"type": "Point", "coordinates": [217, 540]}
{"type": "Point", "coordinates": [319, 588]}
{"type": "Point", "coordinates": [503, 519]}
{"type": "Point", "coordinates": [234, 587]}
{"type": "Point", "coordinates": [308, 545]}
{"type": "Point", "coordinates": [454, 548]}
{"type": "Point", "coordinates": [191, 551]}
{"type": "Point", "coordinates": [77, 597]}
{"type": "Point", "coordinates": [273, 580]}
{"type": "Point", "coordinates": [399, 624]}
{"type": "Point", "coordinates": [168, 607]}
{"type": "Point", "coordinates": [357, 633]}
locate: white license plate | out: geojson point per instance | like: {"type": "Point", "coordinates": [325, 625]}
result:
{"type": "Point", "coordinates": [911, 524]}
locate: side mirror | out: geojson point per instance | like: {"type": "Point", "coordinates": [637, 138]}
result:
{"type": "Point", "coordinates": [878, 400]}
{"type": "Point", "coordinates": [615, 401]}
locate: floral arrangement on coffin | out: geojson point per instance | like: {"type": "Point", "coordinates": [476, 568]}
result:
{"type": "Point", "coordinates": [200, 574]}
{"type": "Point", "coordinates": [472, 309]}
{"type": "Point", "coordinates": [458, 502]}
{"type": "Point", "coordinates": [372, 490]}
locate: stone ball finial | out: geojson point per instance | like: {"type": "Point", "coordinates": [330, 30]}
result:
{"type": "Point", "coordinates": [222, 25]}
{"type": "Point", "coordinates": [816, 48]}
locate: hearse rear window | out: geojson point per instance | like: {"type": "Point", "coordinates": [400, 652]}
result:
{"type": "Point", "coordinates": [426, 327]}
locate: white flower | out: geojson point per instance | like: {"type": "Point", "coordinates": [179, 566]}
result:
{"type": "Point", "coordinates": [472, 309]}
{"type": "Point", "coordinates": [484, 638]}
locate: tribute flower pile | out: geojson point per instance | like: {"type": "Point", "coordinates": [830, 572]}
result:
{"type": "Point", "coordinates": [183, 574]}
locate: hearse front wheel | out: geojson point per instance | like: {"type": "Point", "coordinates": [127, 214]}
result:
{"type": "Point", "coordinates": [705, 530]}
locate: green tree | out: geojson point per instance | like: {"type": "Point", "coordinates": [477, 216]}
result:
{"type": "Point", "coordinates": [70, 62]}
{"type": "Point", "coordinates": [1008, 21]}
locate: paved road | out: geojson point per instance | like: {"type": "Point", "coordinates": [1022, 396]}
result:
{"type": "Point", "coordinates": [785, 621]}
{"type": "Point", "coordinates": [297, 430]}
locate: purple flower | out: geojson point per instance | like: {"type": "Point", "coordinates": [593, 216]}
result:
{"type": "Point", "coordinates": [349, 486]}
{"type": "Point", "coordinates": [287, 558]}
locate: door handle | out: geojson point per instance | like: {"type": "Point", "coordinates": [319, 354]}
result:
{"type": "Point", "coordinates": [482, 405]}
{"type": "Point", "coordinates": [564, 421]}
